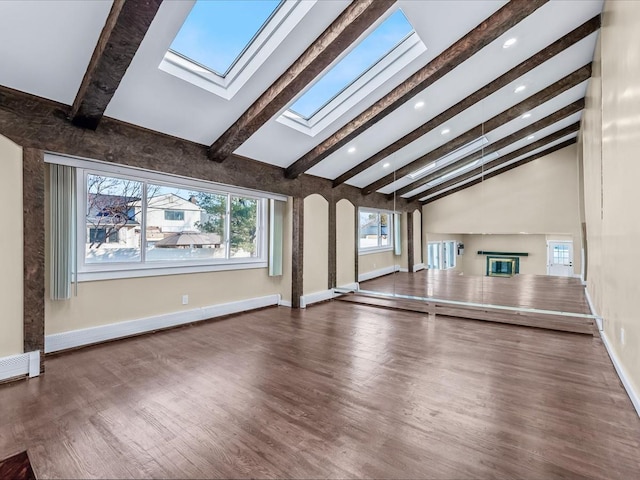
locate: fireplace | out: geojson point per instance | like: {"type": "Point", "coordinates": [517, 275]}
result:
{"type": "Point", "coordinates": [502, 266]}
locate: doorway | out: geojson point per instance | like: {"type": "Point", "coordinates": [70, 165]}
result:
{"type": "Point", "coordinates": [560, 258]}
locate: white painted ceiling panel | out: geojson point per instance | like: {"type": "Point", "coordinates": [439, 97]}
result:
{"type": "Point", "coordinates": [45, 46]}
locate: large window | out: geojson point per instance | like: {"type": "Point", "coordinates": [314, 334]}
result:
{"type": "Point", "coordinates": [139, 223]}
{"type": "Point", "coordinates": [441, 255]}
{"type": "Point", "coordinates": [375, 230]}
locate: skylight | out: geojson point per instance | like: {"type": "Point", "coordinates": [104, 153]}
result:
{"type": "Point", "coordinates": [216, 33]}
{"type": "Point", "coordinates": [379, 43]}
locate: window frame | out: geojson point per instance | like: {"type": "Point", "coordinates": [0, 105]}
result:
{"type": "Point", "coordinates": [115, 270]}
{"type": "Point", "coordinates": [390, 231]}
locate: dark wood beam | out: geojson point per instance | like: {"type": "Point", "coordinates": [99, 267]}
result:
{"type": "Point", "coordinates": [33, 238]}
{"type": "Point", "coordinates": [297, 252]}
{"type": "Point", "coordinates": [410, 255]}
{"type": "Point", "coordinates": [507, 158]}
{"type": "Point", "coordinates": [36, 122]}
{"type": "Point", "coordinates": [490, 29]}
{"type": "Point", "coordinates": [126, 26]}
{"type": "Point", "coordinates": [337, 38]}
{"type": "Point", "coordinates": [333, 247]}
{"type": "Point", "coordinates": [501, 171]}
{"type": "Point", "coordinates": [545, 122]}
{"type": "Point", "coordinates": [562, 85]}
{"type": "Point", "coordinates": [539, 58]}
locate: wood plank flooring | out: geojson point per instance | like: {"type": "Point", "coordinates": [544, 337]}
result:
{"type": "Point", "coordinates": [334, 391]}
{"type": "Point", "coordinates": [543, 292]}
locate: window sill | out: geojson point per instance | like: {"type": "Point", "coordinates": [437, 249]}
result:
{"type": "Point", "coordinates": [370, 251]}
{"type": "Point", "coordinates": [155, 271]}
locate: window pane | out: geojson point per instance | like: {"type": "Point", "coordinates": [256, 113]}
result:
{"type": "Point", "coordinates": [244, 227]}
{"type": "Point", "coordinates": [184, 225]}
{"type": "Point", "coordinates": [112, 220]}
{"type": "Point", "coordinates": [384, 230]}
{"type": "Point", "coordinates": [369, 223]}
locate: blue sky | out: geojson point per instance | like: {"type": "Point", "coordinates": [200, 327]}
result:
{"type": "Point", "coordinates": [216, 31]}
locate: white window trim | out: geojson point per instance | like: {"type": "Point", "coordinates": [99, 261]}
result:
{"type": "Point", "coordinates": [383, 71]}
{"type": "Point", "coordinates": [257, 52]}
{"type": "Point", "coordinates": [390, 227]}
{"type": "Point", "coordinates": [115, 270]}
{"type": "Point", "coordinates": [441, 253]}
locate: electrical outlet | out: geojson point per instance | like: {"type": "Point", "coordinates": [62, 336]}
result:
{"type": "Point", "coordinates": [622, 335]}
{"type": "Point", "coordinates": [185, 299]}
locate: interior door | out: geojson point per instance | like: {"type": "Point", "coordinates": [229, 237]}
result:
{"type": "Point", "coordinates": [560, 259]}
{"type": "Point", "coordinates": [433, 260]}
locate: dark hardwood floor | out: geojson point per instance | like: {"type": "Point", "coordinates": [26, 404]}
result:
{"type": "Point", "coordinates": [526, 291]}
{"type": "Point", "coordinates": [335, 391]}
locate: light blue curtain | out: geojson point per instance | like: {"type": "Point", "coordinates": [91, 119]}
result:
{"type": "Point", "coordinates": [62, 230]}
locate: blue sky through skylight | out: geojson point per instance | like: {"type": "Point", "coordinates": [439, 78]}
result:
{"type": "Point", "coordinates": [368, 52]}
{"type": "Point", "coordinates": [216, 32]}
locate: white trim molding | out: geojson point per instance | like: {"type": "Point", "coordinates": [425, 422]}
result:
{"type": "Point", "coordinates": [354, 286]}
{"type": "Point", "coordinates": [88, 336]}
{"type": "Point", "coordinates": [622, 373]}
{"type": "Point", "coordinates": [378, 273]}
{"type": "Point", "coordinates": [23, 364]}
{"type": "Point", "coordinates": [315, 297]}
{"type": "Point", "coordinates": [418, 266]}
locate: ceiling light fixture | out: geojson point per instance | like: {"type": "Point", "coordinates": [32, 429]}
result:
{"type": "Point", "coordinates": [509, 43]}
{"type": "Point", "coordinates": [451, 157]}
{"type": "Point", "coordinates": [444, 131]}
{"type": "Point", "coordinates": [386, 165]}
{"type": "Point", "coordinates": [526, 115]}
{"type": "Point", "coordinates": [531, 137]}
{"type": "Point", "coordinates": [418, 105]}
{"type": "Point", "coordinates": [351, 150]}
{"type": "Point", "coordinates": [520, 88]}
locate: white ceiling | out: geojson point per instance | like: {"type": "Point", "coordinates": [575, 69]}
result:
{"type": "Point", "coordinates": [47, 46]}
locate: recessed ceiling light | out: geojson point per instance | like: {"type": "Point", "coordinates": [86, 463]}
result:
{"type": "Point", "coordinates": [386, 165]}
{"type": "Point", "coordinates": [509, 43]}
{"type": "Point", "coordinates": [418, 105]}
{"type": "Point", "coordinates": [520, 88]}
{"type": "Point", "coordinates": [351, 149]}
{"type": "Point", "coordinates": [531, 137]}
{"type": "Point", "coordinates": [444, 131]}
{"type": "Point", "coordinates": [526, 115]}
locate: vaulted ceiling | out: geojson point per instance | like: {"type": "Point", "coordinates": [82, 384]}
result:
{"type": "Point", "coordinates": [102, 58]}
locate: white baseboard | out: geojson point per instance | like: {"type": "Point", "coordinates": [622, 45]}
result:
{"type": "Point", "coordinates": [378, 273]}
{"type": "Point", "coordinates": [285, 303]}
{"type": "Point", "coordinates": [419, 266]}
{"type": "Point", "coordinates": [593, 310]}
{"type": "Point", "coordinates": [622, 373]}
{"type": "Point", "coordinates": [20, 365]}
{"type": "Point", "coordinates": [315, 297]}
{"type": "Point", "coordinates": [403, 270]}
{"type": "Point", "coordinates": [355, 286]}
{"type": "Point", "coordinates": [88, 336]}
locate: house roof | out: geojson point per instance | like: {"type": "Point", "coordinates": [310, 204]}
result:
{"type": "Point", "coordinates": [460, 82]}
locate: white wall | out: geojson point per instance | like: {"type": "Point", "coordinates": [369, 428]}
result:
{"type": "Point", "coordinates": [11, 290]}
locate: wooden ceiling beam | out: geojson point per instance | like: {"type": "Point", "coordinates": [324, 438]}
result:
{"type": "Point", "coordinates": [532, 62]}
{"type": "Point", "coordinates": [336, 39]}
{"type": "Point", "coordinates": [126, 26]}
{"type": "Point", "coordinates": [553, 90]}
{"type": "Point", "coordinates": [500, 161]}
{"type": "Point", "coordinates": [504, 142]}
{"type": "Point", "coordinates": [490, 29]}
{"type": "Point", "coordinates": [502, 170]}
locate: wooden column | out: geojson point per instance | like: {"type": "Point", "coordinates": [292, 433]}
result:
{"type": "Point", "coordinates": [33, 245]}
{"type": "Point", "coordinates": [297, 262]}
{"type": "Point", "coordinates": [332, 267]}
{"type": "Point", "coordinates": [410, 259]}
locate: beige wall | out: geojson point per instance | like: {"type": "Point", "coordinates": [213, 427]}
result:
{"type": "Point", "coordinates": [540, 197]}
{"type": "Point", "coordinates": [417, 237]}
{"type": "Point", "coordinates": [316, 244]}
{"type": "Point", "coordinates": [112, 301]}
{"type": "Point", "coordinates": [610, 142]}
{"type": "Point", "coordinates": [534, 245]}
{"type": "Point", "coordinates": [11, 322]}
{"type": "Point", "coordinates": [345, 243]}
{"type": "Point", "coordinates": [376, 261]}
